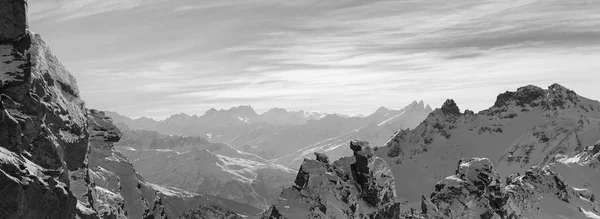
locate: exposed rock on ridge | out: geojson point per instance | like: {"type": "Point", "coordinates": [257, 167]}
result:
{"type": "Point", "coordinates": [527, 127]}
{"type": "Point", "coordinates": [477, 191]}
{"type": "Point", "coordinates": [118, 188]}
{"type": "Point", "coordinates": [360, 186]}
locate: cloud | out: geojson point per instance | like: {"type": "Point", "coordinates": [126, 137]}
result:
{"type": "Point", "coordinates": [66, 10]}
{"type": "Point", "coordinates": [155, 58]}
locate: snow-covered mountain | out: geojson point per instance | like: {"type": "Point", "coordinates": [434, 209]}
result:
{"type": "Point", "coordinates": [376, 128]}
{"type": "Point", "coordinates": [196, 165]}
{"type": "Point", "coordinates": [529, 127]}
{"type": "Point", "coordinates": [215, 124]}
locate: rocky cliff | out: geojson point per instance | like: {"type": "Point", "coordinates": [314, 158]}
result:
{"type": "Point", "coordinates": [116, 184]}
{"type": "Point", "coordinates": [43, 126]}
{"type": "Point", "coordinates": [360, 186]}
{"type": "Point", "coordinates": [47, 169]}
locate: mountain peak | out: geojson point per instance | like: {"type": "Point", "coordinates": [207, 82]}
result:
{"type": "Point", "coordinates": [560, 96]}
{"type": "Point", "coordinates": [381, 111]}
{"type": "Point", "coordinates": [557, 96]}
{"type": "Point", "coordinates": [527, 95]}
{"type": "Point", "coordinates": [450, 108]}
{"type": "Point", "coordinates": [243, 110]}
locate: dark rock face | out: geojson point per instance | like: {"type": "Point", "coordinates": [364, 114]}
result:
{"type": "Point", "coordinates": [212, 211]}
{"type": "Point", "coordinates": [13, 19]}
{"type": "Point", "coordinates": [522, 97]}
{"type": "Point", "coordinates": [360, 171]}
{"type": "Point", "coordinates": [346, 183]}
{"type": "Point", "coordinates": [559, 97]}
{"type": "Point", "coordinates": [322, 158]}
{"type": "Point", "coordinates": [450, 108]}
{"type": "Point", "coordinates": [43, 135]}
{"type": "Point", "coordinates": [44, 138]}
{"type": "Point", "coordinates": [556, 97]}
{"type": "Point", "coordinates": [596, 148]}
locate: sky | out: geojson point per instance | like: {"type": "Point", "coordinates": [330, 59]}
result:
{"type": "Point", "coordinates": [156, 58]}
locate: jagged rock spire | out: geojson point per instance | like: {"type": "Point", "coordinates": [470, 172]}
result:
{"type": "Point", "coordinates": [450, 108]}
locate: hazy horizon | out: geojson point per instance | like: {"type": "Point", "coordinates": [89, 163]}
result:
{"type": "Point", "coordinates": [156, 58]}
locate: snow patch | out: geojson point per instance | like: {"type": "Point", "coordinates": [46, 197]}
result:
{"type": "Point", "coordinates": [589, 214]}
{"type": "Point", "coordinates": [390, 119]}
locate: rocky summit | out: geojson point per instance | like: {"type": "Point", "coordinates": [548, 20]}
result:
{"type": "Point", "coordinates": [360, 186]}
{"type": "Point", "coordinates": [529, 127]}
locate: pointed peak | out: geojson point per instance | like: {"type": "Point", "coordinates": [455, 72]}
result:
{"type": "Point", "coordinates": [382, 110]}
{"type": "Point", "coordinates": [428, 108]}
{"type": "Point", "coordinates": [557, 87]}
{"type": "Point", "coordinates": [450, 108]}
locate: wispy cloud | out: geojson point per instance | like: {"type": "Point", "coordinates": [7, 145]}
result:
{"type": "Point", "coordinates": [155, 58]}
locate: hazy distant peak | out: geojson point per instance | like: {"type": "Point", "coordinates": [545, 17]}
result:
{"type": "Point", "coordinates": [381, 111]}
{"type": "Point", "coordinates": [276, 110]}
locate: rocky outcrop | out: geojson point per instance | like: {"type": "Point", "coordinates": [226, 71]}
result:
{"type": "Point", "coordinates": [43, 133]}
{"type": "Point", "coordinates": [450, 108]}
{"type": "Point", "coordinates": [360, 186]}
{"type": "Point", "coordinates": [47, 169]}
{"type": "Point", "coordinates": [118, 190]}
{"type": "Point", "coordinates": [477, 191]}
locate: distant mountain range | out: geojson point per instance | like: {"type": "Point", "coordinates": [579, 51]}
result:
{"type": "Point", "coordinates": [262, 153]}
{"type": "Point", "coordinates": [277, 132]}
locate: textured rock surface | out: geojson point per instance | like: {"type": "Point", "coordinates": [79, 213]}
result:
{"type": "Point", "coordinates": [360, 186]}
{"type": "Point", "coordinates": [210, 212]}
{"type": "Point", "coordinates": [119, 190]}
{"type": "Point", "coordinates": [477, 191]}
{"type": "Point", "coordinates": [43, 135]}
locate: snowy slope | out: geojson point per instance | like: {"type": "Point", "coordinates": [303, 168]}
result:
{"type": "Point", "coordinates": [524, 128]}
{"type": "Point", "coordinates": [177, 201]}
{"type": "Point", "coordinates": [213, 169]}
{"type": "Point", "coordinates": [376, 129]}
